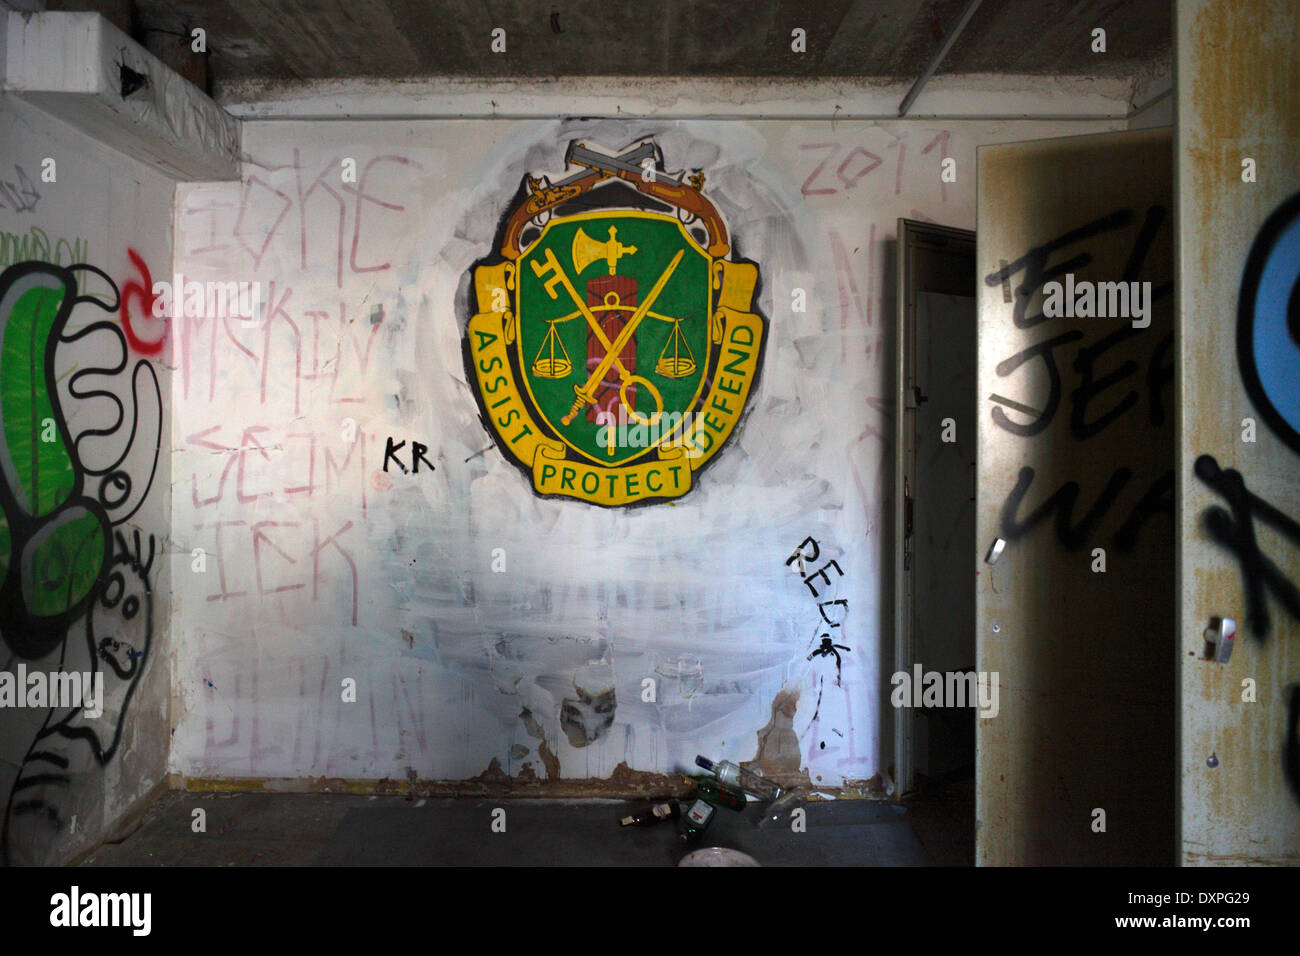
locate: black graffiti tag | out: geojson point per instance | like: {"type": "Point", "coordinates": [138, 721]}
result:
{"type": "Point", "coordinates": [1060, 507]}
{"type": "Point", "coordinates": [1037, 272]}
{"type": "Point", "coordinates": [102, 623]}
{"type": "Point", "coordinates": [1235, 530]}
{"type": "Point", "coordinates": [20, 196]}
{"type": "Point", "coordinates": [1096, 402]}
{"type": "Point", "coordinates": [798, 561]}
{"type": "Point", "coordinates": [1034, 264]}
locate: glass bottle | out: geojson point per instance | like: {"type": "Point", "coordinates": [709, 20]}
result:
{"type": "Point", "coordinates": [737, 777]}
{"type": "Point", "coordinates": [713, 791]}
{"type": "Point", "coordinates": [649, 816]}
{"type": "Point", "coordinates": [695, 820]}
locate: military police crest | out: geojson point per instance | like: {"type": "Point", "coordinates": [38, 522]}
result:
{"type": "Point", "coordinates": [615, 344]}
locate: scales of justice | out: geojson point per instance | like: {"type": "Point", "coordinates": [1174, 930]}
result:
{"type": "Point", "coordinates": [612, 312]}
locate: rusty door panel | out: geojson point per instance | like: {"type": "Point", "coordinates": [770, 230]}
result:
{"type": "Point", "coordinates": [1238, 99]}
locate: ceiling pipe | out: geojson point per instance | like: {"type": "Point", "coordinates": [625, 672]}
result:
{"type": "Point", "coordinates": [935, 60]}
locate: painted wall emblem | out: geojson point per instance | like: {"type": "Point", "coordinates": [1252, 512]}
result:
{"type": "Point", "coordinates": [614, 345]}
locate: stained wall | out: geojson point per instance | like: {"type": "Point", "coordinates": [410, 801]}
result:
{"type": "Point", "coordinates": [1239, 457]}
{"type": "Point", "coordinates": [490, 631]}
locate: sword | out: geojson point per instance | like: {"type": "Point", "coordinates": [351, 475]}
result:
{"type": "Point", "coordinates": [554, 266]}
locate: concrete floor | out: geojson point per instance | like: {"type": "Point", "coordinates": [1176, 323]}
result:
{"type": "Point", "coordinates": [282, 829]}
{"type": "Point", "coordinates": [942, 815]}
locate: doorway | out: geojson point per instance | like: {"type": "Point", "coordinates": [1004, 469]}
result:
{"type": "Point", "coordinates": [934, 519]}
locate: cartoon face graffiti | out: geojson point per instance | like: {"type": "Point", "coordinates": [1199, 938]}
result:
{"type": "Point", "coordinates": [111, 641]}
{"type": "Point", "coordinates": [75, 587]}
{"type": "Point", "coordinates": [613, 350]}
{"type": "Point", "coordinates": [1268, 323]}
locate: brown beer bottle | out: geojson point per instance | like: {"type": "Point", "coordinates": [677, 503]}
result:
{"type": "Point", "coordinates": [649, 816]}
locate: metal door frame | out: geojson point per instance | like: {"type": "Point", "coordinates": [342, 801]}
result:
{"type": "Point", "coordinates": [911, 234]}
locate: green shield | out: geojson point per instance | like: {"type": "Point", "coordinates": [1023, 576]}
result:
{"type": "Point", "coordinates": [565, 280]}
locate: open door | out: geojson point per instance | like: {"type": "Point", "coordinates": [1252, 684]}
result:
{"type": "Point", "coordinates": [934, 492]}
{"type": "Point", "coordinates": [1075, 597]}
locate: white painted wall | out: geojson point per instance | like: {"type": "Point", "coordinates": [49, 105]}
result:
{"type": "Point", "coordinates": [100, 206]}
{"type": "Point", "coordinates": [320, 567]}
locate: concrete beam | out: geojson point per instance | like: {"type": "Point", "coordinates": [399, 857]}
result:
{"type": "Point", "coordinates": [946, 97]}
{"type": "Point", "coordinates": [88, 73]}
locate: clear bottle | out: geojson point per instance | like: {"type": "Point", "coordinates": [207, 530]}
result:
{"type": "Point", "coordinates": [737, 777]}
{"type": "Point", "coordinates": [778, 811]}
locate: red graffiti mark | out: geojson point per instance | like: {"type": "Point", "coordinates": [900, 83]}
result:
{"type": "Point", "coordinates": [249, 436]}
{"type": "Point", "coordinates": [853, 758]}
{"type": "Point", "coordinates": [869, 162]}
{"type": "Point", "coordinates": [225, 593]}
{"type": "Point", "coordinates": [834, 148]}
{"type": "Point", "coordinates": [308, 696]}
{"type": "Point", "coordinates": [873, 493]}
{"type": "Point", "coordinates": [306, 463]}
{"type": "Point", "coordinates": [261, 211]}
{"type": "Point", "coordinates": [315, 558]}
{"type": "Point", "coordinates": [363, 196]}
{"type": "Point", "coordinates": [278, 313]}
{"type": "Point", "coordinates": [310, 487]}
{"type": "Point", "coordinates": [260, 537]}
{"type": "Point", "coordinates": [248, 442]}
{"type": "Point", "coordinates": [852, 304]}
{"type": "Point", "coordinates": [143, 291]}
{"type": "Point", "coordinates": [265, 558]}
{"type": "Point", "coordinates": [362, 357]}
{"type": "Point", "coordinates": [200, 441]}
{"type": "Point", "coordinates": [322, 182]}
{"type": "Point", "coordinates": [213, 222]}
{"type": "Point", "coordinates": [333, 469]}
{"type": "Point", "coordinates": [210, 693]}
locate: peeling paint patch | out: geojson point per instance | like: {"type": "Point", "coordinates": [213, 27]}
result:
{"type": "Point", "coordinates": [531, 724]}
{"type": "Point", "coordinates": [585, 718]}
{"type": "Point", "coordinates": [778, 744]}
{"type": "Point", "coordinates": [623, 783]}
{"type": "Point", "coordinates": [549, 761]}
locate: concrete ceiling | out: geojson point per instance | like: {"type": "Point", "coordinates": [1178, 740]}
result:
{"type": "Point", "coordinates": [256, 40]}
